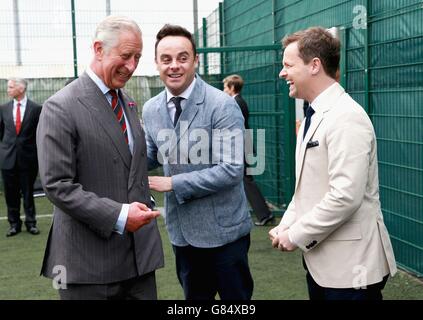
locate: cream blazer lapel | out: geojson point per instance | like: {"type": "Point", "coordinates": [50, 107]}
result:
{"type": "Point", "coordinates": [302, 147]}
{"type": "Point", "coordinates": [322, 106]}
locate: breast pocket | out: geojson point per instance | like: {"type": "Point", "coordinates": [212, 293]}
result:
{"type": "Point", "coordinates": [312, 144]}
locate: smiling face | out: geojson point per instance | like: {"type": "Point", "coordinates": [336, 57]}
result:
{"type": "Point", "coordinates": [296, 73]}
{"type": "Point", "coordinates": [176, 63]}
{"type": "Point", "coordinates": [116, 65]}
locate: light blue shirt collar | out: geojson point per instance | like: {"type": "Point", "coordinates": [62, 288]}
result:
{"type": "Point", "coordinates": [100, 84]}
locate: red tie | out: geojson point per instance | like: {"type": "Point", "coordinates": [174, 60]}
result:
{"type": "Point", "coordinates": [18, 118]}
{"type": "Point", "coordinates": [117, 109]}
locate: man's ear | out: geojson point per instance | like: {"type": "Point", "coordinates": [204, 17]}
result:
{"type": "Point", "coordinates": [316, 65]}
{"type": "Point", "coordinates": [196, 60]}
{"type": "Point", "coordinates": [98, 49]}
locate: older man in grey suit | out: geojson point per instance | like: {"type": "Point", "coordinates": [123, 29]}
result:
{"type": "Point", "coordinates": [93, 167]}
{"type": "Point", "coordinates": [206, 209]}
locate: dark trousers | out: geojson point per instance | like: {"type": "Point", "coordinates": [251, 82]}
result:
{"type": "Point", "coordinates": [255, 198]}
{"type": "Point", "coordinates": [19, 181]}
{"type": "Point", "coordinates": [139, 288]}
{"type": "Point", "coordinates": [372, 292]}
{"type": "Point", "coordinates": [204, 272]}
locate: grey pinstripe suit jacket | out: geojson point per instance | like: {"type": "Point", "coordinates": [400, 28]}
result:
{"type": "Point", "coordinates": [87, 171]}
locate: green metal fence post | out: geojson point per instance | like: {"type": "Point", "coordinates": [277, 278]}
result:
{"type": "Point", "coordinates": [343, 62]}
{"type": "Point", "coordinates": [75, 56]}
{"type": "Point", "coordinates": [277, 100]}
{"type": "Point", "coordinates": [206, 63]}
{"type": "Point", "coordinates": [366, 63]}
{"type": "Point", "coordinates": [222, 37]}
{"type": "Point", "coordinates": [290, 142]}
{"type": "Point", "coordinates": [274, 21]}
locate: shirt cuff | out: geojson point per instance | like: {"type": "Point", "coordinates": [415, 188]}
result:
{"type": "Point", "coordinates": [121, 222]}
{"type": "Point", "coordinates": [153, 202]}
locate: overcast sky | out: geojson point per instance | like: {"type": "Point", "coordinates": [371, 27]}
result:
{"type": "Point", "coordinates": [45, 29]}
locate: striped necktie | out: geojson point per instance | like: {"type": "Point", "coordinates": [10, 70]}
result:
{"type": "Point", "coordinates": [118, 110]}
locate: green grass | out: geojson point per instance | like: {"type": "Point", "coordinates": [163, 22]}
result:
{"type": "Point", "coordinates": [277, 275]}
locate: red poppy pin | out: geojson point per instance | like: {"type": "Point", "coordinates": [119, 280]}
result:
{"type": "Point", "coordinates": [132, 105]}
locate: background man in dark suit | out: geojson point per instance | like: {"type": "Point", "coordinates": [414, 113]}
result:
{"type": "Point", "coordinates": [93, 167]}
{"type": "Point", "coordinates": [232, 85]}
{"type": "Point", "coordinates": [18, 125]}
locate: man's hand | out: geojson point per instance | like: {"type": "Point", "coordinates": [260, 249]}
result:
{"type": "Point", "coordinates": [273, 233]}
{"type": "Point", "coordinates": [161, 184]}
{"type": "Point", "coordinates": [280, 239]}
{"type": "Point", "coordinates": [139, 215]}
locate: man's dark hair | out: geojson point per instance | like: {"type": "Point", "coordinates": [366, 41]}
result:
{"type": "Point", "coordinates": [174, 30]}
{"type": "Point", "coordinates": [317, 42]}
{"type": "Point", "coordinates": [234, 81]}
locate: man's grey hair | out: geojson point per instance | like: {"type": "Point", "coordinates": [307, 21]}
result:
{"type": "Point", "coordinates": [109, 29]}
{"type": "Point", "coordinates": [20, 81]}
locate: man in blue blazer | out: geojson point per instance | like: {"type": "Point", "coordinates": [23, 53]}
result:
{"type": "Point", "coordinates": [196, 132]}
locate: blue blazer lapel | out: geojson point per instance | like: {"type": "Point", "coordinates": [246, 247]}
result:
{"type": "Point", "coordinates": [191, 108]}
{"type": "Point", "coordinates": [164, 112]}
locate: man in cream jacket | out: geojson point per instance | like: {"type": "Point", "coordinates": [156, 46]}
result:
{"type": "Point", "coordinates": [334, 216]}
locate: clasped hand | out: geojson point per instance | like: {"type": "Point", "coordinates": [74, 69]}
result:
{"type": "Point", "coordinates": [280, 239]}
{"type": "Point", "coordinates": [139, 215]}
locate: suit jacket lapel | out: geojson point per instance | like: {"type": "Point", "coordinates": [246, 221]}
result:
{"type": "Point", "coordinates": [96, 103]}
{"type": "Point", "coordinates": [190, 110]}
{"type": "Point", "coordinates": [27, 114]}
{"type": "Point", "coordinates": [326, 103]}
{"type": "Point", "coordinates": [317, 119]}
{"type": "Point", "coordinates": [9, 114]}
{"type": "Point", "coordinates": [164, 112]}
{"type": "Point", "coordinates": [132, 116]}
{"type": "Point", "coordinates": [137, 134]}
